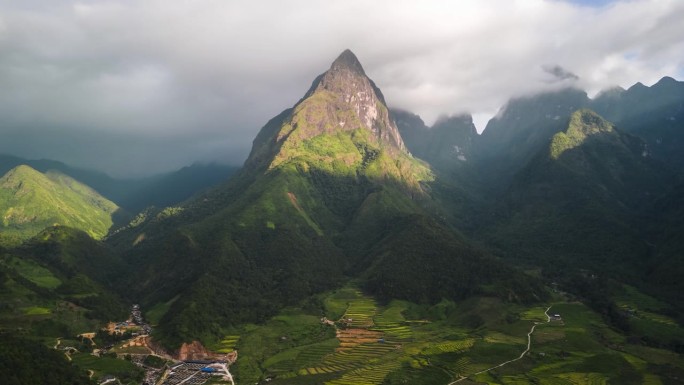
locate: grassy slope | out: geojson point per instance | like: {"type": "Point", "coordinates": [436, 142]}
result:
{"type": "Point", "coordinates": [31, 201]}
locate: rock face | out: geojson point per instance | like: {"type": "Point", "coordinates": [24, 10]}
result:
{"type": "Point", "coordinates": [446, 145]}
{"type": "Point", "coordinates": [347, 80]}
{"type": "Point", "coordinates": [196, 351]}
{"type": "Point", "coordinates": [341, 99]}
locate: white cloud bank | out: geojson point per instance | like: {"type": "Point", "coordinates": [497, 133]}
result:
{"type": "Point", "coordinates": [134, 87]}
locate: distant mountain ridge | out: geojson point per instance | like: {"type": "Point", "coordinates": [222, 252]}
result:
{"type": "Point", "coordinates": [524, 125]}
{"type": "Point", "coordinates": [589, 181]}
{"type": "Point", "coordinates": [567, 182]}
{"type": "Point", "coordinates": [448, 143]}
{"type": "Point", "coordinates": [134, 195]}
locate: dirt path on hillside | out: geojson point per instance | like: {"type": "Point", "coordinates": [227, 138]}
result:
{"type": "Point", "coordinates": [529, 344]}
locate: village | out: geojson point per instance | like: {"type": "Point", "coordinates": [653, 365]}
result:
{"type": "Point", "coordinates": [131, 340]}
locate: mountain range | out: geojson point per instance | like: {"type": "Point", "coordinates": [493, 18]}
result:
{"type": "Point", "coordinates": [328, 193]}
{"type": "Point", "coordinates": [559, 190]}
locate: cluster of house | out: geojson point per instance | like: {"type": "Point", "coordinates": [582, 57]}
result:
{"type": "Point", "coordinates": [136, 316]}
{"type": "Point", "coordinates": [326, 321]}
{"type": "Point", "coordinates": [135, 324]}
{"type": "Point", "coordinates": [197, 372]}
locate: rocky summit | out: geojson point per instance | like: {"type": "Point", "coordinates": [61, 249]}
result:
{"type": "Point", "coordinates": [341, 99]}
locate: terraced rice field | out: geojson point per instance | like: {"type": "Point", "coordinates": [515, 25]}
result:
{"type": "Point", "coordinates": [392, 323]}
{"type": "Point", "coordinates": [375, 343]}
{"type": "Point", "coordinates": [360, 312]}
{"type": "Point", "coordinates": [353, 358]}
{"type": "Point", "coordinates": [350, 338]}
{"type": "Point", "coordinates": [500, 338]}
{"type": "Point", "coordinates": [290, 361]}
{"type": "Point", "coordinates": [361, 355]}
{"type": "Point", "coordinates": [228, 344]}
{"type": "Point", "coordinates": [544, 335]}
{"type": "Point", "coordinates": [370, 375]}
{"type": "Point", "coordinates": [558, 379]}
{"type": "Point", "coordinates": [584, 378]}
{"type": "Point", "coordinates": [372, 345]}
{"type": "Point", "coordinates": [462, 366]}
{"type": "Point", "coordinates": [449, 347]}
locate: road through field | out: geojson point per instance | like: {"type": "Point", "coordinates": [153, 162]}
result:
{"type": "Point", "coordinates": [529, 343]}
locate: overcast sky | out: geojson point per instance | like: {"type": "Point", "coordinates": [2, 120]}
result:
{"type": "Point", "coordinates": [136, 87]}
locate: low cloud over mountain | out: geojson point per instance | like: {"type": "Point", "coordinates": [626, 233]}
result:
{"type": "Point", "coordinates": [140, 87]}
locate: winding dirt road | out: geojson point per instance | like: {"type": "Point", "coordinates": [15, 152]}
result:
{"type": "Point", "coordinates": [529, 343]}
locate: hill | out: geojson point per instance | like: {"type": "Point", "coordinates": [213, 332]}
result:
{"type": "Point", "coordinates": [31, 201]}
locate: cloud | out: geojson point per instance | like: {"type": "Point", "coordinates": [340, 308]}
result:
{"type": "Point", "coordinates": [138, 87]}
{"type": "Point", "coordinates": [559, 73]}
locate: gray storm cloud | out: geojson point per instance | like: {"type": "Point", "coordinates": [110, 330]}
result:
{"type": "Point", "coordinates": [133, 88]}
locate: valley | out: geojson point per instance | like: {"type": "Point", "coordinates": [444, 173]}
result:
{"type": "Point", "coordinates": [479, 340]}
{"type": "Point", "coordinates": [357, 245]}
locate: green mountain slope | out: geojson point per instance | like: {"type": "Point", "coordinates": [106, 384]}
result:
{"type": "Point", "coordinates": [580, 202]}
{"type": "Point", "coordinates": [666, 225]}
{"type": "Point", "coordinates": [28, 362]}
{"type": "Point", "coordinates": [58, 284]}
{"type": "Point", "coordinates": [328, 193]}
{"type": "Point", "coordinates": [521, 129]}
{"type": "Point", "coordinates": [31, 201]}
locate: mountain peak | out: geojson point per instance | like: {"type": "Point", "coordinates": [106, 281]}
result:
{"type": "Point", "coordinates": [343, 99]}
{"type": "Point", "coordinates": [347, 61]}
{"type": "Point", "coordinates": [22, 169]}
{"type": "Point", "coordinates": [667, 80]}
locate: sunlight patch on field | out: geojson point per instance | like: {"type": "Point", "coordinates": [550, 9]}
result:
{"type": "Point", "coordinates": [535, 314]}
{"type": "Point", "coordinates": [36, 310]}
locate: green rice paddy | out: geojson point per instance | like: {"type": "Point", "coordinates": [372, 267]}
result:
{"type": "Point", "coordinates": [379, 344]}
{"type": "Point", "coordinates": [36, 310]}
{"type": "Point", "coordinates": [227, 344]}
